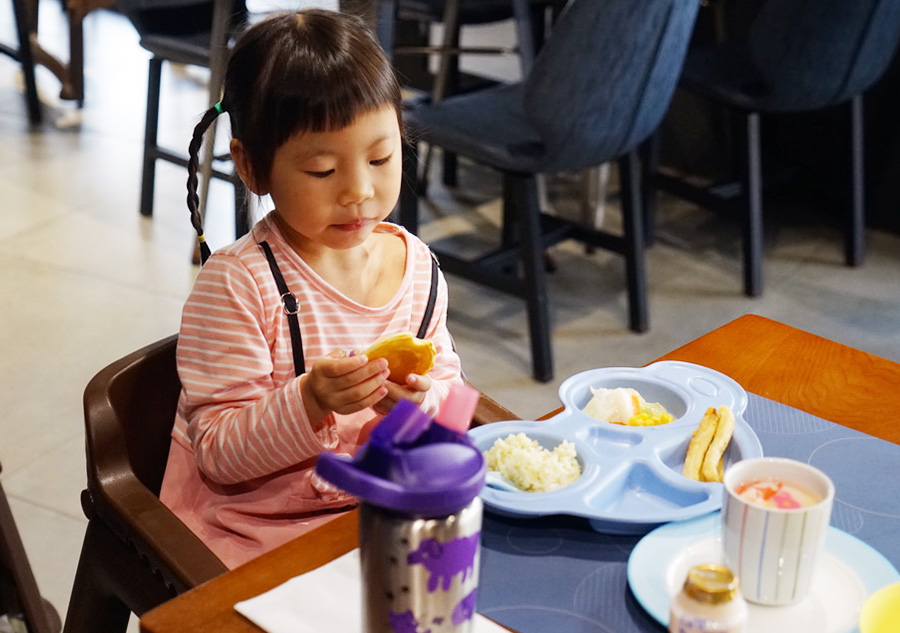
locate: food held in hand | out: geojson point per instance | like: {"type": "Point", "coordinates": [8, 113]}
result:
{"type": "Point", "coordinates": [772, 493]}
{"type": "Point", "coordinates": [705, 458]}
{"type": "Point", "coordinates": [624, 405]}
{"type": "Point", "coordinates": [405, 355]}
{"type": "Point", "coordinates": [530, 466]}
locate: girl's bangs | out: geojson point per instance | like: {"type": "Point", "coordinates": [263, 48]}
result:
{"type": "Point", "coordinates": [314, 109]}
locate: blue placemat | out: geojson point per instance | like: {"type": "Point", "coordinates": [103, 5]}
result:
{"type": "Point", "coordinates": [557, 574]}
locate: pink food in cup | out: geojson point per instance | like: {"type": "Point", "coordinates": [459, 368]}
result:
{"type": "Point", "coordinates": [773, 493]}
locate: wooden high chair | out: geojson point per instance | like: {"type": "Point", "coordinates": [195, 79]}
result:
{"type": "Point", "coordinates": [136, 553]}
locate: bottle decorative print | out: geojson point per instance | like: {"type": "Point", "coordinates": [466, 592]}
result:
{"type": "Point", "coordinates": [419, 517]}
{"type": "Point", "coordinates": [419, 575]}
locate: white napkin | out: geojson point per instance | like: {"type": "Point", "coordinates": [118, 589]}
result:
{"type": "Point", "coordinates": [325, 599]}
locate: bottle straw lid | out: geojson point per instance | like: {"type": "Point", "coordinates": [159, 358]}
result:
{"type": "Point", "coordinates": [458, 407]}
{"type": "Point", "coordinates": [410, 466]}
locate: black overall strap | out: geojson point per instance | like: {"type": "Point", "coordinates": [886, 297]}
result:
{"type": "Point", "coordinates": [432, 297]}
{"type": "Point", "coordinates": [291, 308]}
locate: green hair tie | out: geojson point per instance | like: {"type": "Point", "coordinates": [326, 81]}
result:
{"type": "Point", "coordinates": [218, 107]}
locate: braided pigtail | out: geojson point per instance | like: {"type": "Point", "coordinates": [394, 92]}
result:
{"type": "Point", "coordinates": [193, 200]}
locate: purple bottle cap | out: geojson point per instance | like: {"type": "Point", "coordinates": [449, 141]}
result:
{"type": "Point", "coordinates": [406, 468]}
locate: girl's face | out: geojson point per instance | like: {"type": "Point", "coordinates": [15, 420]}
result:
{"type": "Point", "coordinates": [332, 188]}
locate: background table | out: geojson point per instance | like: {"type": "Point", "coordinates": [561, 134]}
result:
{"type": "Point", "coordinates": [778, 362]}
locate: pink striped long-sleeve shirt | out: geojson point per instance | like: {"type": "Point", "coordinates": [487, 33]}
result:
{"type": "Point", "coordinates": [240, 470]}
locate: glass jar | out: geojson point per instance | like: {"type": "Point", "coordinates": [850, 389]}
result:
{"type": "Point", "coordinates": [709, 602]}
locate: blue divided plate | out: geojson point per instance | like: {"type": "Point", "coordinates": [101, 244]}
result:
{"type": "Point", "coordinates": [631, 476]}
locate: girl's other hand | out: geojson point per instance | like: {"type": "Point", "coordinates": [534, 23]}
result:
{"type": "Point", "coordinates": [414, 389]}
{"type": "Point", "coordinates": [337, 383]}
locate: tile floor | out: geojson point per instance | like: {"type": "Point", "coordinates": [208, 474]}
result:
{"type": "Point", "coordinates": [85, 280]}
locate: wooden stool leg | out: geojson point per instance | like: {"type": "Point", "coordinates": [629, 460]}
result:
{"type": "Point", "coordinates": [26, 58]}
{"type": "Point", "coordinates": [73, 86]}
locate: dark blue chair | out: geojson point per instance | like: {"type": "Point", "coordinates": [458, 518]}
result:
{"type": "Point", "coordinates": [798, 55]}
{"type": "Point", "coordinates": [413, 20]}
{"type": "Point", "coordinates": [599, 87]}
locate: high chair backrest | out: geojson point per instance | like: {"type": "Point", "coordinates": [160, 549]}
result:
{"type": "Point", "coordinates": [129, 410]}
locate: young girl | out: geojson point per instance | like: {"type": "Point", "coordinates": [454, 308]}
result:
{"type": "Point", "coordinates": [269, 383]}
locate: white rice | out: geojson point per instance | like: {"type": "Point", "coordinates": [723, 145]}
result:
{"type": "Point", "coordinates": [530, 466]}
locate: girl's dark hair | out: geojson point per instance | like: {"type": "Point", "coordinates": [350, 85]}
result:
{"type": "Point", "coordinates": [307, 71]}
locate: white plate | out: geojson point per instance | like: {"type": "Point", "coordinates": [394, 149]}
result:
{"type": "Point", "coordinates": [850, 572]}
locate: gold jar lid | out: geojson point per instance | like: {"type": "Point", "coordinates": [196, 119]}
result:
{"type": "Point", "coordinates": [714, 584]}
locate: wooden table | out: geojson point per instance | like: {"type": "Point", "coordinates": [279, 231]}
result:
{"type": "Point", "coordinates": [832, 381]}
{"type": "Point", "coordinates": [804, 371]}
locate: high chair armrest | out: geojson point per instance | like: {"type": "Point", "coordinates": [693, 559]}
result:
{"type": "Point", "coordinates": [140, 519]}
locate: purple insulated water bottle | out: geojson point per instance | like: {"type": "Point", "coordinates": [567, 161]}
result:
{"type": "Point", "coordinates": [419, 517]}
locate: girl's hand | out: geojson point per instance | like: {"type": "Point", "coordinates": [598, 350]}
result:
{"type": "Point", "coordinates": [413, 390]}
{"type": "Point", "coordinates": [342, 384]}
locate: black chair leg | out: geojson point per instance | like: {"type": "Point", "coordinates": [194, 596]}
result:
{"type": "Point", "coordinates": [854, 240]}
{"type": "Point", "coordinates": [148, 173]}
{"type": "Point", "coordinates": [751, 198]}
{"type": "Point", "coordinates": [524, 195]}
{"type": "Point", "coordinates": [508, 225]}
{"type": "Point", "coordinates": [449, 162]}
{"type": "Point", "coordinates": [409, 196]}
{"type": "Point", "coordinates": [450, 167]}
{"type": "Point", "coordinates": [632, 216]}
{"type": "Point", "coordinates": [649, 153]}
